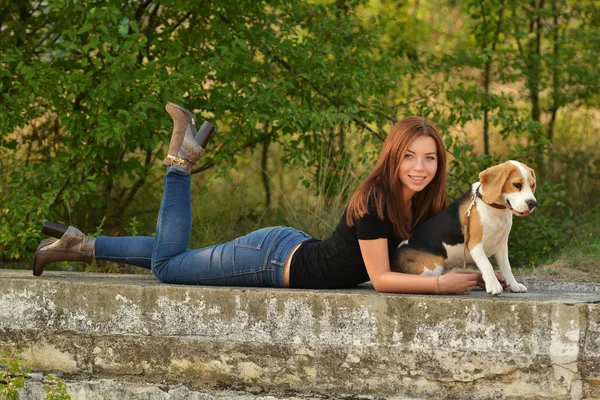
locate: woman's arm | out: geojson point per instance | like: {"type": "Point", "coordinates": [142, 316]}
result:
{"type": "Point", "coordinates": [376, 258]}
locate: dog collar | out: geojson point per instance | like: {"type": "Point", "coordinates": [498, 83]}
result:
{"type": "Point", "coordinates": [493, 205]}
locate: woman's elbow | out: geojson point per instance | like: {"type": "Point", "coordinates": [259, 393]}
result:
{"type": "Point", "coordinates": [378, 284]}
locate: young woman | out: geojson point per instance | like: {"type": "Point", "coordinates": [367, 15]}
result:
{"type": "Point", "coordinates": [407, 186]}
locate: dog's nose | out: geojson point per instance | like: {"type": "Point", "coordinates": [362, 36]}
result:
{"type": "Point", "coordinates": [531, 204]}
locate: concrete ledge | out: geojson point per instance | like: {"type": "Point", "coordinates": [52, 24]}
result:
{"type": "Point", "coordinates": [542, 344]}
{"type": "Point", "coordinates": [106, 389]}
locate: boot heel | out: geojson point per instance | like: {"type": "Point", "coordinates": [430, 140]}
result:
{"type": "Point", "coordinates": [38, 268]}
{"type": "Point", "coordinates": [206, 130]}
{"type": "Point", "coordinates": [204, 134]}
{"type": "Point", "coordinates": [53, 229]}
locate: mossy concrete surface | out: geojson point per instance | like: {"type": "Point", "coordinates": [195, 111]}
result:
{"type": "Point", "coordinates": [544, 344]}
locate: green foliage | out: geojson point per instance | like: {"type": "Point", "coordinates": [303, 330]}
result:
{"type": "Point", "coordinates": [134, 227]}
{"type": "Point", "coordinates": [56, 389]}
{"type": "Point", "coordinates": [534, 239]}
{"type": "Point", "coordinates": [13, 371]}
{"type": "Point", "coordinates": [83, 86]}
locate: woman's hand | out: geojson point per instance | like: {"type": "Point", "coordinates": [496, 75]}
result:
{"type": "Point", "coordinates": [458, 282]}
{"type": "Point", "coordinates": [481, 282]}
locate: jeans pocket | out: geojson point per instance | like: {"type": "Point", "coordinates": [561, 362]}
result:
{"type": "Point", "coordinates": [253, 240]}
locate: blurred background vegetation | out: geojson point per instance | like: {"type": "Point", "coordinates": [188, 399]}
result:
{"type": "Point", "coordinates": [303, 93]}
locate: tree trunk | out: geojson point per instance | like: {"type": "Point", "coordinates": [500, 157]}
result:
{"type": "Point", "coordinates": [487, 75]}
{"type": "Point", "coordinates": [555, 77]}
{"type": "Point", "coordinates": [264, 174]}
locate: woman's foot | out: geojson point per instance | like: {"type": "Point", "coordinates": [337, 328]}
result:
{"type": "Point", "coordinates": [73, 245]}
{"type": "Point", "coordinates": [185, 148]}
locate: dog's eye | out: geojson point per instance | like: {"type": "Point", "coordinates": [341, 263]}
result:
{"type": "Point", "coordinates": [518, 185]}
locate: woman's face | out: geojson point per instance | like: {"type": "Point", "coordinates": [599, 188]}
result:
{"type": "Point", "coordinates": [418, 166]}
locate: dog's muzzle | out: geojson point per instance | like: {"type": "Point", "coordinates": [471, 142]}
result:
{"type": "Point", "coordinates": [531, 205]}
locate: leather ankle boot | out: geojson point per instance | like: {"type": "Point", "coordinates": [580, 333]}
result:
{"type": "Point", "coordinates": [187, 144]}
{"type": "Point", "coordinates": [73, 245]}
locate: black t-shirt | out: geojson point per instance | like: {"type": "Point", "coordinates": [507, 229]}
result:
{"type": "Point", "coordinates": [337, 262]}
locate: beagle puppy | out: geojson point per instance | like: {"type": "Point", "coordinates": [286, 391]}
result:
{"type": "Point", "coordinates": [484, 216]}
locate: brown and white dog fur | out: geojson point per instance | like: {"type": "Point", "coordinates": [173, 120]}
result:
{"type": "Point", "coordinates": [502, 190]}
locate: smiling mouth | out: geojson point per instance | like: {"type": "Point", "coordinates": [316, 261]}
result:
{"type": "Point", "coordinates": [417, 178]}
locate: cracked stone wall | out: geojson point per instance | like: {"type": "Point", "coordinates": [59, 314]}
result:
{"type": "Point", "coordinates": [533, 345]}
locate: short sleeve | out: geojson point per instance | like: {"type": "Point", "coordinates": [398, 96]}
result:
{"type": "Point", "coordinates": [370, 227]}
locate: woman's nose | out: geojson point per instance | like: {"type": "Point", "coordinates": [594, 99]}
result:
{"type": "Point", "coordinates": [418, 164]}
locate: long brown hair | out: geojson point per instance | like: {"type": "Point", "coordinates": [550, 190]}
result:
{"type": "Point", "coordinates": [383, 189]}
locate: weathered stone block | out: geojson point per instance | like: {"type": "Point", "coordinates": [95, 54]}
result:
{"type": "Point", "coordinates": [541, 344]}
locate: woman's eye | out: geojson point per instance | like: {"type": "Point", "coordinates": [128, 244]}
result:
{"type": "Point", "coordinates": [518, 185]}
{"type": "Point", "coordinates": [431, 158]}
{"type": "Point", "coordinates": [408, 156]}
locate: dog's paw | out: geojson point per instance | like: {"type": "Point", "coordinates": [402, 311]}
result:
{"type": "Point", "coordinates": [516, 287]}
{"type": "Point", "coordinates": [494, 287]}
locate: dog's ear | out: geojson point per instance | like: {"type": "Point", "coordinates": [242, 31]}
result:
{"type": "Point", "coordinates": [532, 176]}
{"type": "Point", "coordinates": [492, 180]}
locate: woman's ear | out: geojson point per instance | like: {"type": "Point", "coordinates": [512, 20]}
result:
{"type": "Point", "coordinates": [492, 181]}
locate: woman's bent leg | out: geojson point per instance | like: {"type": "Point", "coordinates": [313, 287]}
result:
{"type": "Point", "coordinates": [174, 220]}
{"type": "Point", "coordinates": [174, 224]}
{"type": "Point", "coordinates": [173, 230]}
{"type": "Point", "coordinates": [132, 250]}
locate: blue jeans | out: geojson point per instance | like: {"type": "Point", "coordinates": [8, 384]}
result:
{"type": "Point", "coordinates": [256, 259]}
